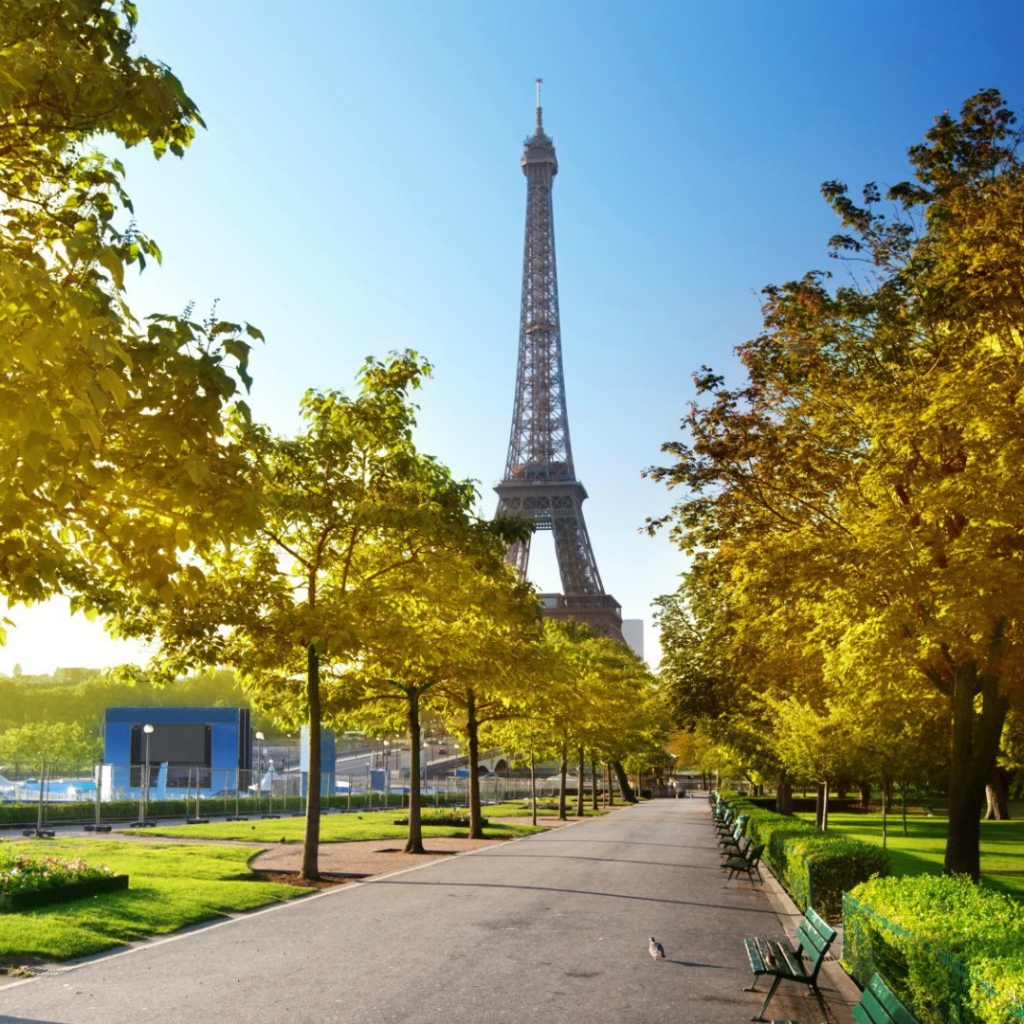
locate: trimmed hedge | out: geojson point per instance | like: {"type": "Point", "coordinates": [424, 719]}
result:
{"type": "Point", "coordinates": [814, 867]}
{"type": "Point", "coordinates": [952, 950]}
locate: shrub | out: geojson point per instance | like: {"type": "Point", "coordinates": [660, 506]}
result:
{"type": "Point", "coordinates": [950, 949]}
{"type": "Point", "coordinates": [814, 867]}
{"type": "Point", "coordinates": [30, 874]}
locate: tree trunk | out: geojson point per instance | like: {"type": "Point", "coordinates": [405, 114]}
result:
{"type": "Point", "coordinates": [819, 806]}
{"type": "Point", "coordinates": [581, 767]}
{"type": "Point", "coordinates": [310, 870]}
{"type": "Point", "coordinates": [414, 841]}
{"type": "Point", "coordinates": [976, 736]}
{"type": "Point", "coordinates": [904, 793]}
{"type": "Point", "coordinates": [476, 818]}
{"type": "Point", "coordinates": [563, 771]}
{"type": "Point", "coordinates": [611, 788]}
{"type": "Point", "coordinates": [593, 780]}
{"type": "Point", "coordinates": [533, 787]}
{"type": "Point", "coordinates": [997, 800]}
{"type": "Point", "coordinates": [784, 796]}
{"type": "Point", "coordinates": [824, 807]}
{"type": "Point", "coordinates": [885, 814]}
{"type": "Point", "coordinates": [865, 795]}
{"type": "Point", "coordinates": [620, 773]}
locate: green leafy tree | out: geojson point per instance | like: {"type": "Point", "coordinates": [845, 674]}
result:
{"type": "Point", "coordinates": [448, 637]}
{"type": "Point", "coordinates": [868, 468]}
{"type": "Point", "coordinates": [112, 462]}
{"type": "Point", "coordinates": [348, 509]}
{"type": "Point", "coordinates": [48, 743]}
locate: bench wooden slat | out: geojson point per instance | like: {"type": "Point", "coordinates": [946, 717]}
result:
{"type": "Point", "coordinates": [897, 1012]}
{"type": "Point", "coordinates": [810, 939]}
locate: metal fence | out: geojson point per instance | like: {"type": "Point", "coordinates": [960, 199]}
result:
{"type": "Point", "coordinates": [55, 794]}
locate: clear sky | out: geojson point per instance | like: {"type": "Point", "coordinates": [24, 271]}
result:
{"type": "Point", "coordinates": [358, 190]}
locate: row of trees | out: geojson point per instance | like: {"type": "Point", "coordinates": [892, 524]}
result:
{"type": "Point", "coordinates": [342, 573]}
{"type": "Point", "coordinates": [854, 509]}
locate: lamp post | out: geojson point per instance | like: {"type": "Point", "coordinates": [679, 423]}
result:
{"type": "Point", "coordinates": [147, 730]}
{"type": "Point", "coordinates": [259, 768]}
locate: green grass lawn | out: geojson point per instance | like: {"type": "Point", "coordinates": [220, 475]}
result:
{"type": "Point", "coordinates": [174, 885]}
{"type": "Point", "coordinates": [335, 828]}
{"type": "Point", "coordinates": [921, 850]}
{"type": "Point", "coordinates": [171, 886]}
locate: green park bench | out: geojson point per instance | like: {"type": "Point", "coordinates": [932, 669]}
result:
{"type": "Point", "coordinates": [877, 1005]}
{"type": "Point", "coordinates": [730, 845]}
{"type": "Point", "coordinates": [734, 846]}
{"type": "Point", "coordinates": [783, 962]}
{"type": "Point", "coordinates": [747, 862]}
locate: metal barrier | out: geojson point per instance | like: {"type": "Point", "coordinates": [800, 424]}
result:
{"type": "Point", "coordinates": [70, 794]}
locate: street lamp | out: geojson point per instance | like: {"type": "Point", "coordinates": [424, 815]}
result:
{"type": "Point", "coordinates": [144, 788]}
{"type": "Point", "coordinates": [259, 767]}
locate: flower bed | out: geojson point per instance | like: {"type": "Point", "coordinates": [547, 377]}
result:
{"type": "Point", "coordinates": [28, 882]}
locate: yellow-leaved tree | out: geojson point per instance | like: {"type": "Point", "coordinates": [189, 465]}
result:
{"type": "Point", "coordinates": [869, 466]}
{"type": "Point", "coordinates": [112, 461]}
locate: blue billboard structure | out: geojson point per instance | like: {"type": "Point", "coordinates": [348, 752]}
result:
{"type": "Point", "coordinates": [186, 749]}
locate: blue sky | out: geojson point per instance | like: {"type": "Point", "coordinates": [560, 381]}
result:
{"type": "Point", "coordinates": [358, 190]}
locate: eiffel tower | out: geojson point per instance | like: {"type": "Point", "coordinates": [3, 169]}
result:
{"type": "Point", "coordinates": [540, 482]}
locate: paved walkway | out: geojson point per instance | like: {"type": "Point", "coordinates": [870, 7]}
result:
{"type": "Point", "coordinates": [551, 928]}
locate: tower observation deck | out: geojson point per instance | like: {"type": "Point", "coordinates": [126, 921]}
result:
{"type": "Point", "coordinates": [540, 482]}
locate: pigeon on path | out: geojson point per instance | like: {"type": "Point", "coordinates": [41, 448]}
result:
{"type": "Point", "coordinates": [656, 949]}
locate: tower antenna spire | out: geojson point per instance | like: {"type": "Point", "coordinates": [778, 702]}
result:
{"type": "Point", "coordinates": [540, 122]}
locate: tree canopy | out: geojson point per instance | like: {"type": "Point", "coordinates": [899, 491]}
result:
{"type": "Point", "coordinates": [855, 503]}
{"type": "Point", "coordinates": [111, 455]}
{"type": "Point", "coordinates": [350, 517]}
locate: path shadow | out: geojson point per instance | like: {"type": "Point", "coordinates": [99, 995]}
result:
{"type": "Point", "coordinates": [574, 892]}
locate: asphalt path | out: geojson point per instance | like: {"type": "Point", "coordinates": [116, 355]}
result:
{"type": "Point", "coordinates": [550, 928]}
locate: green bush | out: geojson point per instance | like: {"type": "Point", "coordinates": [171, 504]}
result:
{"type": "Point", "coordinates": [952, 950]}
{"type": "Point", "coordinates": [814, 867]}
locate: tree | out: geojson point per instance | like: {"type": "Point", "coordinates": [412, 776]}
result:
{"type": "Point", "coordinates": [625, 720]}
{"type": "Point", "coordinates": [600, 701]}
{"type": "Point", "coordinates": [347, 509]}
{"type": "Point", "coordinates": [47, 743]}
{"type": "Point", "coordinates": [113, 461]}
{"type": "Point", "coordinates": [445, 635]}
{"type": "Point", "coordinates": [728, 649]}
{"type": "Point", "coordinates": [495, 659]}
{"type": "Point", "coordinates": [869, 465]}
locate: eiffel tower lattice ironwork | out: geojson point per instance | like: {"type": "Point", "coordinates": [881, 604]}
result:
{"type": "Point", "coordinates": [540, 482]}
